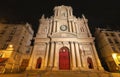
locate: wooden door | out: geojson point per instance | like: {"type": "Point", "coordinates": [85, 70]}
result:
{"type": "Point", "coordinates": [64, 59]}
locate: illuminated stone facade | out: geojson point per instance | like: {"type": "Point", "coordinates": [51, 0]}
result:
{"type": "Point", "coordinates": [108, 43]}
{"type": "Point", "coordinates": [64, 42]}
{"type": "Point", "coordinates": [18, 36]}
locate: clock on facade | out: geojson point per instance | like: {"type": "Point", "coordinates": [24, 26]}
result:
{"type": "Point", "coordinates": [63, 27]}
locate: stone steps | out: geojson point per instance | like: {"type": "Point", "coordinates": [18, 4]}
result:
{"type": "Point", "coordinates": [37, 73]}
{"type": "Point", "coordinates": [68, 74]}
{"type": "Point", "coordinates": [75, 74]}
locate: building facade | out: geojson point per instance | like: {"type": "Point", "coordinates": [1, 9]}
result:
{"type": "Point", "coordinates": [64, 42]}
{"type": "Point", "coordinates": [108, 44]}
{"type": "Point", "coordinates": [17, 36]}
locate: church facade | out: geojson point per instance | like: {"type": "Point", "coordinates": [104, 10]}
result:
{"type": "Point", "coordinates": [64, 42]}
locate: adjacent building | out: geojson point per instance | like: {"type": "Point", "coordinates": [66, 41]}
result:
{"type": "Point", "coordinates": [15, 46]}
{"type": "Point", "coordinates": [64, 42]}
{"type": "Point", "coordinates": [108, 45]}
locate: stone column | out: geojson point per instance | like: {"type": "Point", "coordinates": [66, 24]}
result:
{"type": "Point", "coordinates": [80, 52]}
{"type": "Point", "coordinates": [51, 55]}
{"type": "Point", "coordinates": [55, 12]}
{"type": "Point", "coordinates": [46, 55]}
{"type": "Point", "coordinates": [77, 28]}
{"type": "Point", "coordinates": [77, 55]}
{"type": "Point", "coordinates": [50, 27]}
{"type": "Point", "coordinates": [99, 66]}
{"type": "Point", "coordinates": [68, 12]}
{"type": "Point", "coordinates": [58, 12]}
{"type": "Point", "coordinates": [83, 57]}
{"type": "Point", "coordinates": [54, 26]}
{"type": "Point", "coordinates": [73, 26]}
{"type": "Point", "coordinates": [73, 56]}
{"type": "Point", "coordinates": [56, 58]}
{"type": "Point", "coordinates": [70, 27]}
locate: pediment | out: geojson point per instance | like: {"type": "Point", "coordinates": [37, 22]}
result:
{"type": "Point", "coordinates": [64, 35]}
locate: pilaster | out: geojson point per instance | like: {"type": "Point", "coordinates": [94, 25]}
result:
{"type": "Point", "coordinates": [99, 66]}
{"type": "Point", "coordinates": [54, 26]}
{"type": "Point", "coordinates": [73, 56]}
{"type": "Point", "coordinates": [46, 55]}
{"type": "Point", "coordinates": [73, 26]}
{"type": "Point", "coordinates": [56, 58]}
{"type": "Point", "coordinates": [70, 26]}
{"type": "Point", "coordinates": [77, 55]}
{"type": "Point", "coordinates": [51, 55]}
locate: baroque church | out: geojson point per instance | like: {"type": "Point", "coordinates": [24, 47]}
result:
{"type": "Point", "coordinates": [64, 42]}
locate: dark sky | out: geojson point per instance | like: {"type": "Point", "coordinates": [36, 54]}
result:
{"type": "Point", "coordinates": [98, 12]}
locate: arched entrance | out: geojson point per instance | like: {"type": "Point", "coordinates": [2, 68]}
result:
{"type": "Point", "coordinates": [90, 63]}
{"type": "Point", "coordinates": [39, 61]}
{"type": "Point", "coordinates": [64, 59]}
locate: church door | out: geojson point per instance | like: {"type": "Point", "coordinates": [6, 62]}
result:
{"type": "Point", "coordinates": [64, 59]}
{"type": "Point", "coordinates": [39, 60]}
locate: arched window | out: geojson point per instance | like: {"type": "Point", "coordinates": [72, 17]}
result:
{"type": "Point", "coordinates": [90, 63]}
{"type": "Point", "coordinates": [38, 63]}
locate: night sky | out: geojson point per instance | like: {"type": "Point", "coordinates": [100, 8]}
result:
{"type": "Point", "coordinates": [100, 13]}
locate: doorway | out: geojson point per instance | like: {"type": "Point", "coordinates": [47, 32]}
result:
{"type": "Point", "coordinates": [39, 61]}
{"type": "Point", "coordinates": [90, 63]}
{"type": "Point", "coordinates": [64, 59]}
